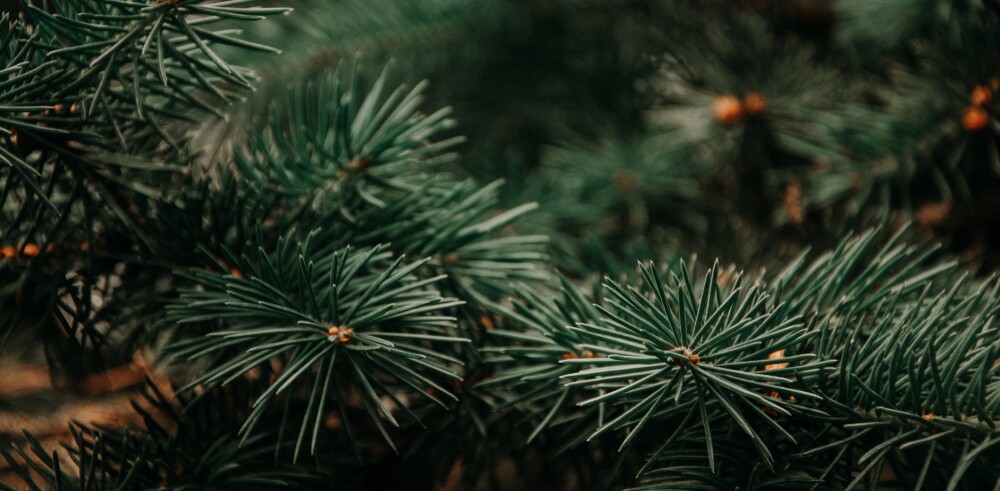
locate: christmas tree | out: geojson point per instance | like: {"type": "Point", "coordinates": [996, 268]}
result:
{"type": "Point", "coordinates": [542, 244]}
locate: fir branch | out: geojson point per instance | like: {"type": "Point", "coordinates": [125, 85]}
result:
{"type": "Point", "coordinates": [458, 226]}
{"type": "Point", "coordinates": [671, 349]}
{"type": "Point", "coordinates": [529, 367]}
{"type": "Point", "coordinates": [329, 136]}
{"type": "Point", "coordinates": [351, 317]}
{"type": "Point", "coordinates": [172, 450]}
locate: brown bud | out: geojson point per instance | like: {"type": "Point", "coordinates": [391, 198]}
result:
{"type": "Point", "coordinates": [975, 119]}
{"type": "Point", "coordinates": [626, 180]}
{"type": "Point", "coordinates": [728, 109]}
{"type": "Point", "coordinates": [792, 202]}
{"type": "Point", "coordinates": [777, 355]}
{"type": "Point", "coordinates": [31, 250]}
{"type": "Point", "coordinates": [342, 333]}
{"type": "Point", "coordinates": [360, 164]}
{"type": "Point", "coordinates": [933, 214]}
{"type": "Point", "coordinates": [754, 103]}
{"type": "Point", "coordinates": [8, 252]}
{"type": "Point", "coordinates": [981, 95]}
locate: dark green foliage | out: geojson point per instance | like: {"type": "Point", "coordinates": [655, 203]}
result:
{"type": "Point", "coordinates": [92, 87]}
{"type": "Point", "coordinates": [322, 314]}
{"type": "Point", "coordinates": [536, 363]}
{"type": "Point", "coordinates": [348, 144]}
{"type": "Point", "coordinates": [282, 222]}
{"type": "Point", "coordinates": [457, 226]}
{"type": "Point", "coordinates": [693, 352]}
{"type": "Point", "coordinates": [196, 449]}
{"type": "Point", "coordinates": [833, 369]}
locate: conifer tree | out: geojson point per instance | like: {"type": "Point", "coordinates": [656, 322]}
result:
{"type": "Point", "coordinates": [448, 244]}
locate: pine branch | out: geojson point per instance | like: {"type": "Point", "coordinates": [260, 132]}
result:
{"type": "Point", "coordinates": [354, 320]}
{"type": "Point", "coordinates": [914, 350]}
{"type": "Point", "coordinates": [171, 450]}
{"type": "Point", "coordinates": [458, 225]}
{"type": "Point", "coordinates": [87, 136]}
{"type": "Point", "coordinates": [529, 363]}
{"type": "Point", "coordinates": [330, 137]}
{"type": "Point", "coordinates": [672, 350]}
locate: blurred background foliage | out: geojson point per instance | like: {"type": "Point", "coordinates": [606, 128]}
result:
{"type": "Point", "coordinates": [735, 129]}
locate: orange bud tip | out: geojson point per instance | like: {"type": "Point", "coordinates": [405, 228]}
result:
{"type": "Point", "coordinates": [777, 355]}
{"type": "Point", "coordinates": [626, 180]}
{"type": "Point", "coordinates": [728, 109]}
{"type": "Point", "coordinates": [981, 95]}
{"type": "Point", "coordinates": [933, 214]}
{"type": "Point", "coordinates": [31, 250]}
{"type": "Point", "coordinates": [975, 119]}
{"type": "Point", "coordinates": [340, 333]}
{"type": "Point", "coordinates": [360, 163]}
{"type": "Point", "coordinates": [792, 202]}
{"type": "Point", "coordinates": [754, 103]}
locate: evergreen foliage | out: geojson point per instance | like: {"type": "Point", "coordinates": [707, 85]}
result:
{"type": "Point", "coordinates": [337, 289]}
